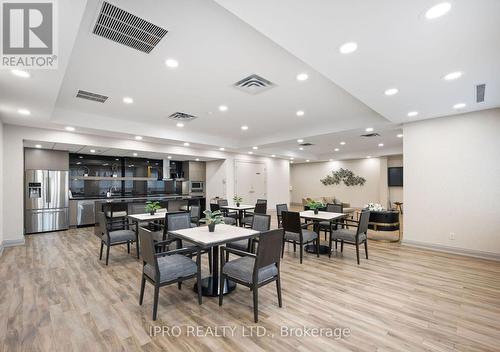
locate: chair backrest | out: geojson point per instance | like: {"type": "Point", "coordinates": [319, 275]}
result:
{"type": "Point", "coordinates": [260, 208]}
{"type": "Point", "coordinates": [259, 201]}
{"type": "Point", "coordinates": [280, 208]}
{"type": "Point", "coordinates": [291, 221]}
{"type": "Point", "coordinates": [195, 211]}
{"type": "Point", "coordinates": [214, 207]}
{"type": "Point", "coordinates": [115, 207]}
{"type": "Point", "coordinates": [261, 222]}
{"type": "Point", "coordinates": [148, 248]}
{"type": "Point", "coordinates": [334, 208]}
{"type": "Point", "coordinates": [269, 250]}
{"type": "Point", "coordinates": [178, 221]}
{"type": "Point", "coordinates": [102, 223]}
{"type": "Point", "coordinates": [222, 202]}
{"type": "Point", "coordinates": [364, 218]}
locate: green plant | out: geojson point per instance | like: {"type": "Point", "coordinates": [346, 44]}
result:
{"type": "Point", "coordinates": [313, 205]}
{"type": "Point", "coordinates": [152, 206]}
{"type": "Point", "coordinates": [237, 199]}
{"type": "Point", "coordinates": [212, 217]}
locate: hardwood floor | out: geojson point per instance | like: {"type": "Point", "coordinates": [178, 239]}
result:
{"type": "Point", "coordinates": [56, 295]}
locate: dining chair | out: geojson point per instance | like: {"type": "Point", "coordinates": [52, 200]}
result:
{"type": "Point", "coordinates": [116, 215]}
{"type": "Point", "coordinates": [279, 209]}
{"type": "Point", "coordinates": [227, 220]}
{"type": "Point", "coordinates": [326, 226]}
{"type": "Point", "coordinates": [295, 233]}
{"type": "Point", "coordinates": [166, 268]}
{"type": "Point", "coordinates": [111, 237]}
{"type": "Point", "coordinates": [261, 223]}
{"type": "Point", "coordinates": [254, 270]}
{"type": "Point", "coordinates": [353, 237]}
{"type": "Point", "coordinates": [195, 212]}
{"type": "Point", "coordinates": [260, 208]}
{"type": "Point", "coordinates": [227, 213]}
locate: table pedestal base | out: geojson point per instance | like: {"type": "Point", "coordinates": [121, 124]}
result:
{"type": "Point", "coordinates": [208, 289]}
{"type": "Point", "coordinates": [311, 248]}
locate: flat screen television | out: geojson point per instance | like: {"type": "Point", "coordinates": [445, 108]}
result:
{"type": "Point", "coordinates": [395, 176]}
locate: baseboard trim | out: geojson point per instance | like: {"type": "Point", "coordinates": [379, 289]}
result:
{"type": "Point", "coordinates": [452, 250]}
{"type": "Point", "coordinates": [10, 243]}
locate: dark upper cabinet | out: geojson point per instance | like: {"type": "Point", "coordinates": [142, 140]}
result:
{"type": "Point", "coordinates": [94, 165]}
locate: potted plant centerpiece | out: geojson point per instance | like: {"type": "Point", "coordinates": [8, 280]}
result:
{"type": "Point", "coordinates": [152, 207]}
{"type": "Point", "coordinates": [374, 207]}
{"type": "Point", "coordinates": [315, 206]}
{"type": "Point", "coordinates": [212, 218]}
{"type": "Point", "coordinates": [237, 200]}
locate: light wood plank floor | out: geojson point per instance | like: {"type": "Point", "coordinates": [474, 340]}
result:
{"type": "Point", "coordinates": [55, 295]}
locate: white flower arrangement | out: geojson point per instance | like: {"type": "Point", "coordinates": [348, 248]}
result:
{"type": "Point", "coordinates": [374, 207]}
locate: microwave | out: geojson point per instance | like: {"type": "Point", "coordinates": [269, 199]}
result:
{"type": "Point", "coordinates": [196, 187]}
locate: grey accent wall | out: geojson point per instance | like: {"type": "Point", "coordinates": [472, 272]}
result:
{"type": "Point", "coordinates": [43, 159]}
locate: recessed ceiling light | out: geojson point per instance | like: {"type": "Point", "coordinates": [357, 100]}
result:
{"type": "Point", "coordinates": [92, 150]}
{"type": "Point", "coordinates": [172, 63]}
{"type": "Point", "coordinates": [300, 113]}
{"type": "Point", "coordinates": [255, 148]}
{"type": "Point", "coordinates": [69, 128]}
{"type": "Point", "coordinates": [300, 141]}
{"type": "Point", "coordinates": [459, 106]}
{"type": "Point", "coordinates": [139, 138]}
{"type": "Point", "coordinates": [24, 112]}
{"type": "Point", "coordinates": [368, 157]}
{"type": "Point", "coordinates": [169, 157]}
{"type": "Point", "coordinates": [186, 144]}
{"type": "Point", "coordinates": [292, 158]}
{"type": "Point", "coordinates": [273, 156]}
{"type": "Point", "coordinates": [128, 100]}
{"type": "Point", "coordinates": [391, 91]}
{"type": "Point", "coordinates": [134, 154]}
{"type": "Point", "coordinates": [302, 76]}
{"type": "Point", "coordinates": [117, 159]}
{"type": "Point", "coordinates": [38, 145]}
{"type": "Point", "coordinates": [438, 10]}
{"type": "Point", "coordinates": [453, 75]}
{"type": "Point", "coordinates": [197, 159]}
{"type": "Point", "coordinates": [336, 149]}
{"type": "Point", "coordinates": [250, 152]}
{"type": "Point", "coordinates": [342, 143]}
{"type": "Point", "coordinates": [180, 124]}
{"type": "Point", "coordinates": [301, 148]}
{"type": "Point", "coordinates": [369, 129]}
{"type": "Point", "coordinates": [399, 135]}
{"type": "Point", "coordinates": [20, 73]}
{"type": "Point", "coordinates": [221, 149]}
{"type": "Point", "coordinates": [412, 113]}
{"type": "Point", "coordinates": [348, 48]}
{"type": "Point", "coordinates": [244, 128]}
{"type": "Point", "coordinates": [223, 108]}
{"type": "Point", "coordinates": [81, 157]}
{"type": "Point", "coordinates": [381, 144]}
{"type": "Point", "coordinates": [307, 160]}
{"type": "Point", "coordinates": [291, 161]}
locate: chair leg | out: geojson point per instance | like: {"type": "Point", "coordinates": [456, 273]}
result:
{"type": "Point", "coordinates": [179, 285]}
{"type": "Point", "coordinates": [198, 278]}
{"type": "Point", "coordinates": [107, 253]}
{"type": "Point", "coordinates": [128, 247]}
{"type": "Point", "coordinates": [278, 288]}
{"type": "Point", "coordinates": [137, 245]}
{"type": "Point", "coordinates": [222, 278]}
{"type": "Point", "coordinates": [357, 252]}
{"type": "Point", "coordinates": [155, 303]}
{"type": "Point", "coordinates": [256, 304]}
{"type": "Point", "coordinates": [227, 256]}
{"type": "Point", "coordinates": [342, 246]}
{"type": "Point", "coordinates": [336, 245]}
{"type": "Point", "coordinates": [317, 246]}
{"type": "Point", "coordinates": [330, 246]}
{"type": "Point", "coordinates": [100, 255]}
{"type": "Point", "coordinates": [294, 247]}
{"type": "Point", "coordinates": [366, 249]}
{"type": "Point", "coordinates": [210, 261]}
{"type": "Point", "coordinates": [143, 284]}
{"type": "Point", "coordinates": [301, 252]}
{"type": "Point", "coordinates": [283, 249]}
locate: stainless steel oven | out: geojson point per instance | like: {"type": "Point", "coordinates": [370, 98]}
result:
{"type": "Point", "coordinates": [196, 187]}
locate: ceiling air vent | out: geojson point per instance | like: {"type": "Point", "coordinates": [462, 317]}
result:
{"type": "Point", "coordinates": [91, 96]}
{"type": "Point", "coordinates": [480, 90]}
{"type": "Point", "coordinates": [374, 134]}
{"type": "Point", "coordinates": [254, 84]}
{"type": "Point", "coordinates": [181, 116]}
{"type": "Point", "coordinates": [306, 144]}
{"type": "Point", "coordinates": [122, 27]}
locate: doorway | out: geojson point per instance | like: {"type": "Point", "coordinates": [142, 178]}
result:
{"type": "Point", "coordinates": [250, 181]}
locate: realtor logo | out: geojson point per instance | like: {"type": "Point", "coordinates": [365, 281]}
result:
{"type": "Point", "coordinates": [28, 34]}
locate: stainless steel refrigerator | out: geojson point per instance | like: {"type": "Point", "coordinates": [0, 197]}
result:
{"type": "Point", "coordinates": [46, 201]}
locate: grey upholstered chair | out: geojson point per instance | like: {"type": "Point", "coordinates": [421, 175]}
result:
{"type": "Point", "coordinates": [279, 209]}
{"type": "Point", "coordinates": [227, 213]}
{"type": "Point", "coordinates": [227, 220]}
{"type": "Point", "coordinates": [326, 226]}
{"type": "Point", "coordinates": [260, 208]}
{"type": "Point", "coordinates": [195, 212]}
{"type": "Point", "coordinates": [354, 237]}
{"type": "Point", "coordinates": [295, 233]}
{"type": "Point", "coordinates": [261, 223]}
{"type": "Point", "coordinates": [166, 268]}
{"type": "Point", "coordinates": [255, 270]}
{"type": "Point", "coordinates": [113, 237]}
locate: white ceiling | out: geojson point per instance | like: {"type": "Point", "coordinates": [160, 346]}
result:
{"type": "Point", "coordinates": [215, 48]}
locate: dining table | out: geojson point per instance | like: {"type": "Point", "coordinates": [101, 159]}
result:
{"type": "Point", "coordinates": [241, 208]}
{"type": "Point", "coordinates": [203, 238]}
{"type": "Point", "coordinates": [316, 218]}
{"type": "Point", "coordinates": [159, 215]}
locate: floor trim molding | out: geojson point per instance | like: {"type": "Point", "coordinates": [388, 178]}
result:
{"type": "Point", "coordinates": [10, 243]}
{"type": "Point", "coordinates": [453, 250]}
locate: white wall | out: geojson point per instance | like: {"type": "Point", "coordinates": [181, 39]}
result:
{"type": "Point", "coordinates": [452, 182]}
{"type": "Point", "coordinates": [305, 181]}
{"type": "Point", "coordinates": [395, 193]}
{"type": "Point", "coordinates": [1, 185]}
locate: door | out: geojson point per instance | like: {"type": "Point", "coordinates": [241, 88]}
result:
{"type": "Point", "coordinates": [35, 179]}
{"type": "Point", "coordinates": [57, 184]}
{"type": "Point", "coordinates": [250, 181]}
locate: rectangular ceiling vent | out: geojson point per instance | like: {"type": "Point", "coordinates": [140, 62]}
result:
{"type": "Point", "coordinates": [91, 96]}
{"type": "Point", "coordinates": [182, 116]}
{"type": "Point", "coordinates": [374, 134]}
{"type": "Point", "coordinates": [480, 90]}
{"type": "Point", "coordinates": [122, 27]}
{"type": "Point", "coordinates": [306, 144]}
{"type": "Point", "coordinates": [254, 84]}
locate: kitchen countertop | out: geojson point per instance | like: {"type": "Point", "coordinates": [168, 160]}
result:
{"type": "Point", "coordinates": [145, 197]}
